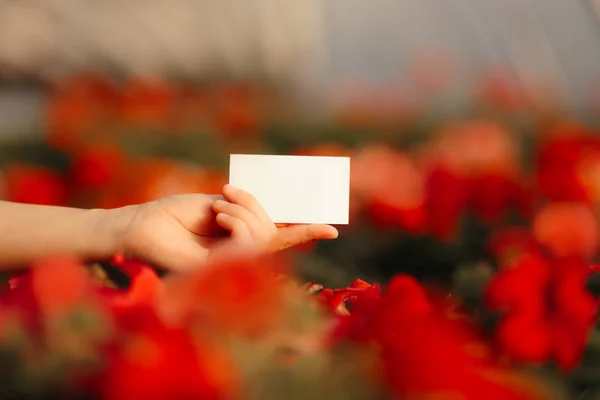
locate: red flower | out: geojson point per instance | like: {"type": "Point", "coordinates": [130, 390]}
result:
{"type": "Point", "coordinates": [157, 363]}
{"type": "Point", "coordinates": [561, 163]}
{"type": "Point", "coordinates": [336, 299]}
{"type": "Point", "coordinates": [34, 185]}
{"type": "Point", "coordinates": [492, 195]}
{"type": "Point", "coordinates": [143, 291]}
{"type": "Point", "coordinates": [437, 355]}
{"type": "Point", "coordinates": [447, 198]}
{"type": "Point", "coordinates": [95, 167]}
{"type": "Point", "coordinates": [53, 288]}
{"type": "Point", "coordinates": [391, 187]}
{"type": "Point", "coordinates": [427, 350]}
{"type": "Point", "coordinates": [548, 312]}
{"type": "Point", "coordinates": [131, 268]}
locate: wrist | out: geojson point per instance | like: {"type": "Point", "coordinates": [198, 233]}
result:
{"type": "Point", "coordinates": [107, 228]}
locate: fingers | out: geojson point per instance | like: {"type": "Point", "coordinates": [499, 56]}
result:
{"type": "Point", "coordinates": [244, 208]}
{"type": "Point", "coordinates": [238, 228]}
{"type": "Point", "coordinates": [243, 216]}
{"type": "Point", "coordinates": [293, 235]}
{"type": "Point", "coordinates": [261, 232]}
{"type": "Point", "coordinates": [246, 200]}
{"type": "Point", "coordinates": [237, 211]}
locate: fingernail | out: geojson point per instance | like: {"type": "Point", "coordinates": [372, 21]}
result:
{"type": "Point", "coordinates": [218, 203]}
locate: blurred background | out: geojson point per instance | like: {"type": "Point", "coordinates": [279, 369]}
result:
{"type": "Point", "coordinates": [453, 112]}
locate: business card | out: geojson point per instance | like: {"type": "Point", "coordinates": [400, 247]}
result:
{"type": "Point", "coordinates": [296, 189]}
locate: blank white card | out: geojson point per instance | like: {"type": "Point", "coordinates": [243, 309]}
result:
{"type": "Point", "coordinates": [296, 189]}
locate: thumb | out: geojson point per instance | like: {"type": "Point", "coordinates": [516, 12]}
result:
{"type": "Point", "coordinates": [297, 234]}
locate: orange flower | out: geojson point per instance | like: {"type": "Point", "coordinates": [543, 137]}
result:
{"type": "Point", "coordinates": [239, 296]}
{"type": "Point", "coordinates": [76, 106]}
{"type": "Point", "coordinates": [391, 186]}
{"type": "Point", "coordinates": [568, 229]}
{"type": "Point", "coordinates": [59, 284]}
{"type": "Point", "coordinates": [476, 147]}
{"type": "Point", "coordinates": [156, 178]}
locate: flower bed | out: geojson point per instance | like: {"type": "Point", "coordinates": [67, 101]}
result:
{"type": "Point", "coordinates": [244, 329]}
{"type": "Point", "coordinates": [496, 214]}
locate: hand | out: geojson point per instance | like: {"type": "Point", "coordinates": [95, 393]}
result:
{"type": "Point", "coordinates": [185, 231]}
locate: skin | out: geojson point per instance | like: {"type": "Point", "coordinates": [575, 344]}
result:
{"type": "Point", "coordinates": [176, 233]}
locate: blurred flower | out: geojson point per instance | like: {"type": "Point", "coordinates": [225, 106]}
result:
{"type": "Point", "coordinates": [477, 147]}
{"type": "Point", "coordinates": [492, 195]}
{"type": "Point", "coordinates": [565, 163]}
{"type": "Point", "coordinates": [145, 285]}
{"type": "Point", "coordinates": [192, 108]}
{"type": "Point", "coordinates": [59, 284]}
{"type": "Point", "coordinates": [547, 311]}
{"type": "Point", "coordinates": [336, 299]}
{"type": "Point", "coordinates": [240, 297]}
{"type": "Point", "coordinates": [237, 109]}
{"type": "Point", "coordinates": [34, 185]}
{"type": "Point", "coordinates": [390, 186]}
{"type": "Point", "coordinates": [148, 102]}
{"type": "Point", "coordinates": [473, 166]}
{"type": "Point", "coordinates": [153, 178]}
{"type": "Point", "coordinates": [155, 362]}
{"type": "Point", "coordinates": [447, 197]}
{"type": "Point", "coordinates": [76, 106]}
{"type": "Point", "coordinates": [405, 324]}
{"type": "Point", "coordinates": [164, 177]}
{"type": "Point", "coordinates": [96, 166]}
{"type": "Point", "coordinates": [50, 293]}
{"type": "Point", "coordinates": [567, 229]}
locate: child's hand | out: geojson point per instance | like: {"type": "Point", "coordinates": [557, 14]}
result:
{"type": "Point", "coordinates": [184, 231]}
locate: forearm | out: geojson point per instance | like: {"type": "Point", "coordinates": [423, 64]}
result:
{"type": "Point", "coordinates": [29, 232]}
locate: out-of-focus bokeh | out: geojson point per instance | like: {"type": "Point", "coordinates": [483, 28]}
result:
{"type": "Point", "coordinates": [473, 131]}
{"type": "Point", "coordinates": [108, 103]}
